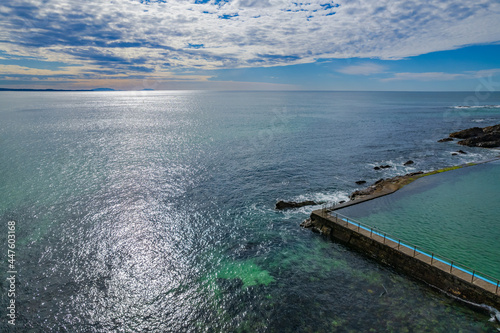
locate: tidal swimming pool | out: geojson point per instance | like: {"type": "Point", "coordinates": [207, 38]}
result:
{"type": "Point", "coordinates": [455, 214]}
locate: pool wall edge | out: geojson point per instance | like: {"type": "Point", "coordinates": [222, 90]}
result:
{"type": "Point", "coordinates": [402, 260]}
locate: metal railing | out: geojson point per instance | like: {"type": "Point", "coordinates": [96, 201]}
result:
{"type": "Point", "coordinates": [400, 244]}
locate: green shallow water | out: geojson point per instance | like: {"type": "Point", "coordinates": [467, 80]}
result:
{"type": "Point", "coordinates": [455, 214]}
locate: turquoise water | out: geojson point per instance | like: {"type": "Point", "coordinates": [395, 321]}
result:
{"type": "Point", "coordinates": [454, 214]}
{"type": "Point", "coordinates": [154, 211]}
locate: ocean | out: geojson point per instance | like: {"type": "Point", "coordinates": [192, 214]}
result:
{"type": "Point", "coordinates": [154, 211]}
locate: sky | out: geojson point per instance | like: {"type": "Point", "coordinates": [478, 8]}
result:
{"type": "Point", "coordinates": [448, 45]}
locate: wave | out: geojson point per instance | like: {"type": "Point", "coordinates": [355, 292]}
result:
{"type": "Point", "coordinates": [328, 198]}
{"type": "Point", "coordinates": [494, 106]}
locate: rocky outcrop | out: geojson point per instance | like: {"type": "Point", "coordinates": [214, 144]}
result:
{"type": "Point", "coordinates": [467, 133]}
{"type": "Point", "coordinates": [446, 140]}
{"type": "Point", "coordinates": [487, 137]}
{"type": "Point", "coordinates": [292, 204]}
{"type": "Point", "coordinates": [382, 167]}
{"type": "Point", "coordinates": [383, 184]}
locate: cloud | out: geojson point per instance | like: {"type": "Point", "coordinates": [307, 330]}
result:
{"type": "Point", "coordinates": [140, 35]}
{"type": "Point", "coordinates": [363, 69]}
{"type": "Point", "coordinates": [441, 76]}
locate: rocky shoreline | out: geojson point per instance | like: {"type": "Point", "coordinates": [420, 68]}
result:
{"type": "Point", "coordinates": [381, 185]}
{"type": "Point", "coordinates": [484, 137]}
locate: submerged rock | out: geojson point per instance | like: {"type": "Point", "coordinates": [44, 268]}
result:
{"type": "Point", "coordinates": [409, 162]}
{"type": "Point", "coordinates": [361, 182]}
{"type": "Point", "coordinates": [292, 204]}
{"type": "Point", "coordinates": [446, 140]}
{"type": "Point", "coordinates": [461, 152]}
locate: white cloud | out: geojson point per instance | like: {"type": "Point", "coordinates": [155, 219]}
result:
{"type": "Point", "coordinates": [117, 35]}
{"type": "Point", "coordinates": [363, 69]}
{"type": "Point", "coordinates": [441, 76]}
{"type": "Point", "coordinates": [428, 76]}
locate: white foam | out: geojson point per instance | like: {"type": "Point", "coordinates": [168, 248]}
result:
{"type": "Point", "coordinates": [328, 198]}
{"type": "Point", "coordinates": [477, 107]}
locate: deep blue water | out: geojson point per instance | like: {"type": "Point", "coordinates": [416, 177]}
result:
{"type": "Point", "coordinates": [154, 211]}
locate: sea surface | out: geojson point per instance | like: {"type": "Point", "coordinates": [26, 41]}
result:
{"type": "Point", "coordinates": [154, 211]}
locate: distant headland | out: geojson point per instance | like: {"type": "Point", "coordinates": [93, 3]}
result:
{"type": "Point", "coordinates": [74, 90]}
{"type": "Point", "coordinates": [96, 89]}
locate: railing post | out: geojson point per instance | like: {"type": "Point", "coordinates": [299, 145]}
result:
{"type": "Point", "coordinates": [451, 266]}
{"type": "Point", "coordinates": [371, 232]}
{"type": "Point", "coordinates": [473, 272]}
{"type": "Point", "coordinates": [414, 251]}
{"type": "Point", "coordinates": [432, 258]}
{"type": "Point", "coordinates": [399, 243]}
{"type": "Point", "coordinates": [359, 225]}
{"type": "Point", "coordinates": [496, 291]}
{"type": "Point", "coordinates": [384, 237]}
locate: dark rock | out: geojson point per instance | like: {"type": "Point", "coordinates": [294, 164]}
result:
{"type": "Point", "coordinates": [307, 223]}
{"type": "Point", "coordinates": [415, 173]}
{"type": "Point", "coordinates": [446, 140]}
{"type": "Point", "coordinates": [379, 181]}
{"type": "Point", "coordinates": [385, 166]}
{"type": "Point", "coordinates": [376, 168]}
{"type": "Point", "coordinates": [487, 137]}
{"type": "Point", "coordinates": [461, 152]}
{"type": "Point", "coordinates": [292, 204]}
{"type": "Point", "coordinates": [492, 129]}
{"type": "Point", "coordinates": [467, 133]}
{"type": "Point", "coordinates": [454, 154]}
{"type": "Point", "coordinates": [341, 202]}
{"type": "Point", "coordinates": [489, 144]}
{"type": "Point", "coordinates": [410, 162]}
{"type": "Point", "coordinates": [490, 140]}
{"type": "Point", "coordinates": [316, 230]}
{"type": "Point", "coordinates": [361, 182]}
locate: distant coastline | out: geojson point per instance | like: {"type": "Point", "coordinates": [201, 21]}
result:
{"type": "Point", "coordinates": [95, 89]}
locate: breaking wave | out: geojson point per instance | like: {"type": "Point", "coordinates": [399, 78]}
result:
{"type": "Point", "coordinates": [477, 107]}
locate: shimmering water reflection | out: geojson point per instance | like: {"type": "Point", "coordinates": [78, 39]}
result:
{"type": "Point", "coordinates": [155, 211]}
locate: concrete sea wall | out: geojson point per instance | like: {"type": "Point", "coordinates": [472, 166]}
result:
{"type": "Point", "coordinates": [455, 281]}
